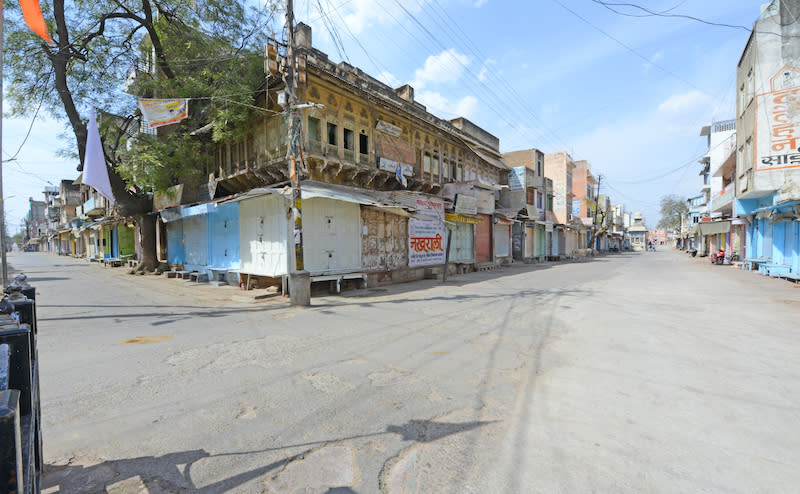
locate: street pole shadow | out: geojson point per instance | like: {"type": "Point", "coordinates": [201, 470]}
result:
{"type": "Point", "coordinates": [172, 472]}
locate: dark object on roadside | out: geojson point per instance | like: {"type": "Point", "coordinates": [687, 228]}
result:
{"type": "Point", "coordinates": [20, 413]}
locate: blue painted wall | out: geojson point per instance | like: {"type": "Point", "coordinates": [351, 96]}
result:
{"type": "Point", "coordinates": [175, 252]}
{"type": "Point", "coordinates": [223, 237]}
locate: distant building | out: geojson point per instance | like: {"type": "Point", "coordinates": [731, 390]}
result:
{"type": "Point", "coordinates": [638, 233]}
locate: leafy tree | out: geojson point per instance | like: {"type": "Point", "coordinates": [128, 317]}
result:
{"type": "Point", "coordinates": [199, 49]}
{"type": "Point", "coordinates": [672, 209]}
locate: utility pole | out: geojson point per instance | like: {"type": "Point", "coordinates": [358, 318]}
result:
{"type": "Point", "coordinates": [596, 204]}
{"type": "Point", "coordinates": [2, 201]}
{"type": "Point", "coordinates": [299, 278]}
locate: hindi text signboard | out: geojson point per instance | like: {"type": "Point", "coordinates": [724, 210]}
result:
{"type": "Point", "coordinates": [426, 234]}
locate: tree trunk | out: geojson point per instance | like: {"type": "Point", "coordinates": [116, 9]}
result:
{"type": "Point", "coordinates": [147, 243]}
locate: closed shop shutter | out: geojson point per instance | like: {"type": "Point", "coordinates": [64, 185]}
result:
{"type": "Point", "coordinates": [332, 235]}
{"type": "Point", "coordinates": [462, 239]}
{"type": "Point", "coordinates": [195, 242]}
{"type": "Point", "coordinates": [502, 240]}
{"type": "Point", "coordinates": [225, 252]}
{"type": "Point", "coordinates": [483, 236]}
{"type": "Point", "coordinates": [262, 233]}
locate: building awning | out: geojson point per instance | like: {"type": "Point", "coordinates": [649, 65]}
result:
{"type": "Point", "coordinates": [79, 180]}
{"type": "Point", "coordinates": [310, 190]}
{"type": "Point", "coordinates": [489, 159]}
{"type": "Point", "coordinates": [715, 227]}
{"type": "Point", "coordinates": [197, 210]}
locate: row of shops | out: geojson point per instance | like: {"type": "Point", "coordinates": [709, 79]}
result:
{"type": "Point", "coordinates": [374, 236]}
{"type": "Point", "coordinates": [767, 240]}
{"type": "Point", "coordinates": [379, 236]}
{"type": "Point", "coordinates": [104, 239]}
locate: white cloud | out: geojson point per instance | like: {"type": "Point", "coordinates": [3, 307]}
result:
{"type": "Point", "coordinates": [681, 103]}
{"type": "Point", "coordinates": [389, 79]}
{"type": "Point", "coordinates": [478, 3]}
{"type": "Point", "coordinates": [361, 14]}
{"type": "Point", "coordinates": [467, 106]}
{"type": "Point", "coordinates": [447, 66]}
{"type": "Point", "coordinates": [441, 105]}
{"type": "Point", "coordinates": [482, 75]}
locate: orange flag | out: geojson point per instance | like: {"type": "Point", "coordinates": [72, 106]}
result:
{"type": "Point", "coordinates": [34, 19]}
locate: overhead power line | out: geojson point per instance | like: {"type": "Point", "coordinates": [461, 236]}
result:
{"type": "Point", "coordinates": [651, 13]}
{"type": "Point", "coordinates": [609, 36]}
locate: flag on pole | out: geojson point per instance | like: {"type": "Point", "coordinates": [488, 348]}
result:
{"type": "Point", "coordinates": [95, 171]}
{"type": "Point", "coordinates": [34, 18]}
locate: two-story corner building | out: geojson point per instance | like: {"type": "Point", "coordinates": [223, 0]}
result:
{"type": "Point", "coordinates": [767, 181]}
{"type": "Point", "coordinates": [583, 201]}
{"type": "Point", "coordinates": [36, 226]}
{"type": "Point", "coordinates": [559, 167]}
{"type": "Point", "coordinates": [379, 191]}
{"type": "Point", "coordinates": [526, 196]}
{"type": "Point", "coordinates": [69, 200]}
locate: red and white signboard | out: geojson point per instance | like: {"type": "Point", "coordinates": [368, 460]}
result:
{"type": "Point", "coordinates": [426, 233]}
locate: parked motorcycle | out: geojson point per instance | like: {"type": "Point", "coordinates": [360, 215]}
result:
{"type": "Point", "coordinates": [720, 257]}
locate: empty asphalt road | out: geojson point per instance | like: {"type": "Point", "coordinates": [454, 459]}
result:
{"type": "Point", "coordinates": [650, 372]}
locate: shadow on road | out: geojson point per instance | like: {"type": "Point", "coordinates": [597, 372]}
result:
{"type": "Point", "coordinates": [172, 472]}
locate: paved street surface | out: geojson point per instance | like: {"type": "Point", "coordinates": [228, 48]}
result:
{"type": "Point", "coordinates": [650, 372]}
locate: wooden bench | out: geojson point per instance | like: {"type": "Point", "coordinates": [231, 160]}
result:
{"type": "Point", "coordinates": [754, 263]}
{"type": "Point", "coordinates": [795, 277]}
{"type": "Point", "coordinates": [198, 277]}
{"type": "Point", "coordinates": [112, 262]}
{"type": "Point", "coordinates": [775, 269]}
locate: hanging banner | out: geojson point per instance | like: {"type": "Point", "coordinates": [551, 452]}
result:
{"type": "Point", "coordinates": [426, 237]}
{"type": "Point", "coordinates": [159, 112]}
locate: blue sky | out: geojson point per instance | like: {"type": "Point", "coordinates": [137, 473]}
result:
{"type": "Point", "coordinates": [630, 99]}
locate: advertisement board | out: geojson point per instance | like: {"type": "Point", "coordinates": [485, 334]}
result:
{"type": "Point", "coordinates": [426, 233]}
{"type": "Point", "coordinates": [516, 179]}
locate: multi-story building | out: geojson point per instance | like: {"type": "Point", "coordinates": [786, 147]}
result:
{"type": "Point", "coordinates": [371, 154]}
{"type": "Point", "coordinates": [526, 193]}
{"type": "Point", "coordinates": [583, 201]}
{"type": "Point", "coordinates": [767, 180]}
{"type": "Point", "coordinates": [559, 167]}
{"type": "Point", "coordinates": [36, 225]}
{"type": "Point", "coordinates": [617, 227]}
{"type": "Point", "coordinates": [715, 228]}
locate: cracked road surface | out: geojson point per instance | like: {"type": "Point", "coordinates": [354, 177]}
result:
{"type": "Point", "coordinates": [649, 372]}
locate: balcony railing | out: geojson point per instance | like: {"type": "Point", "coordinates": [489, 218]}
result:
{"type": "Point", "coordinates": [722, 198]}
{"type": "Point", "coordinates": [92, 207]}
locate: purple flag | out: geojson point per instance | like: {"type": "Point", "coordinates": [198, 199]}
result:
{"type": "Point", "coordinates": [95, 171]}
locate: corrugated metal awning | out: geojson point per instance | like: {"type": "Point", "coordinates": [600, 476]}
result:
{"type": "Point", "coordinates": [715, 227]}
{"type": "Point", "coordinates": [489, 159]}
{"type": "Point", "coordinates": [311, 190]}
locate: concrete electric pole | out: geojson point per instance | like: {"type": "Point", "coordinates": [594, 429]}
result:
{"type": "Point", "coordinates": [299, 278]}
{"type": "Point", "coordinates": [2, 202]}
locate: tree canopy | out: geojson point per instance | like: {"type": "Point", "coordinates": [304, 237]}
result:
{"type": "Point", "coordinates": [672, 209]}
{"type": "Point", "coordinates": [208, 50]}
